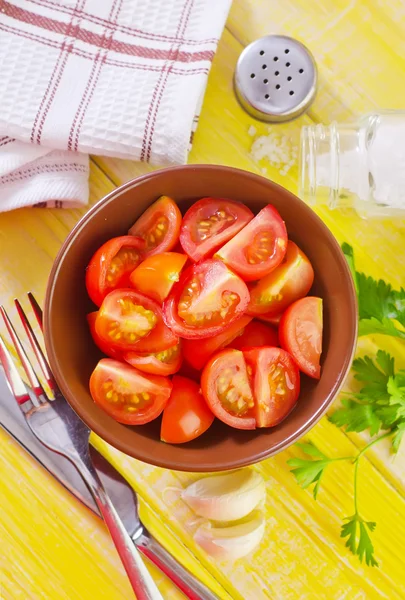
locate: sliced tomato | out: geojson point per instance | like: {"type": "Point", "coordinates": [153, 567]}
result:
{"type": "Point", "coordinates": [254, 335]}
{"type": "Point", "coordinates": [259, 248]}
{"type": "Point", "coordinates": [157, 274]}
{"type": "Point", "coordinates": [133, 322]}
{"type": "Point", "coordinates": [186, 415]}
{"type": "Point", "coordinates": [209, 224]}
{"type": "Point", "coordinates": [197, 352]}
{"type": "Point", "coordinates": [106, 347]}
{"type": "Point", "coordinates": [111, 266]}
{"type": "Point", "coordinates": [226, 389]}
{"type": "Point", "coordinates": [165, 362]}
{"type": "Point", "coordinates": [207, 298]}
{"type": "Point", "coordinates": [128, 395]}
{"type": "Point", "coordinates": [274, 321]}
{"type": "Point", "coordinates": [276, 384]}
{"type": "Point", "coordinates": [158, 226]}
{"type": "Point", "coordinates": [290, 281]}
{"type": "Point", "coordinates": [301, 334]}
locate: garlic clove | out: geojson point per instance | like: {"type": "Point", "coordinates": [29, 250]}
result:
{"type": "Point", "coordinates": [226, 497]}
{"type": "Point", "coordinates": [234, 541]}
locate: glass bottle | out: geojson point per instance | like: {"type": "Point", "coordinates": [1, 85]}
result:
{"type": "Point", "coordinates": [358, 165]}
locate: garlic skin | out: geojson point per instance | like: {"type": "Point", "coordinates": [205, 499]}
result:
{"type": "Point", "coordinates": [232, 542]}
{"type": "Point", "coordinates": [226, 497]}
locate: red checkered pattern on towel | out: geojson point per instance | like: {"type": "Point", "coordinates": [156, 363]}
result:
{"type": "Point", "coordinates": [121, 78]}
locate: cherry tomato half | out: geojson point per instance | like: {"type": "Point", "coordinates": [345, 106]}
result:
{"type": "Point", "coordinates": [301, 334]}
{"type": "Point", "coordinates": [226, 389]}
{"type": "Point", "coordinates": [157, 274]}
{"type": "Point", "coordinates": [128, 395]}
{"type": "Point", "coordinates": [111, 266]}
{"type": "Point", "coordinates": [159, 226]}
{"type": "Point", "coordinates": [165, 362]}
{"type": "Point", "coordinates": [207, 298]}
{"type": "Point", "coordinates": [254, 335]}
{"type": "Point", "coordinates": [186, 415]}
{"type": "Point", "coordinates": [133, 322]}
{"type": "Point", "coordinates": [209, 224]}
{"type": "Point", "coordinates": [290, 281]}
{"type": "Point", "coordinates": [276, 384]}
{"type": "Point", "coordinates": [197, 352]}
{"type": "Point", "coordinates": [259, 247]}
{"type": "Point", "coordinates": [105, 347]}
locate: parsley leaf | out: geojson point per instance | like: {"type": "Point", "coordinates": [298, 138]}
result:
{"type": "Point", "coordinates": [358, 538]}
{"type": "Point", "coordinates": [307, 472]}
{"type": "Point", "coordinates": [398, 434]}
{"type": "Point", "coordinates": [356, 416]}
{"type": "Point", "coordinates": [379, 304]}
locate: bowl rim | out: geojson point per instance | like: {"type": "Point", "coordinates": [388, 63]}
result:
{"type": "Point", "coordinates": [102, 431]}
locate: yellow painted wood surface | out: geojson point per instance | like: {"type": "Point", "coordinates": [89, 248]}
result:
{"type": "Point", "coordinates": [54, 549]}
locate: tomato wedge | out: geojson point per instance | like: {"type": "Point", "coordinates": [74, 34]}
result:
{"type": "Point", "coordinates": [133, 322]}
{"type": "Point", "coordinates": [186, 415]}
{"type": "Point", "coordinates": [276, 384]}
{"type": "Point", "coordinates": [157, 274]}
{"type": "Point", "coordinates": [105, 347]}
{"type": "Point", "coordinates": [197, 352]}
{"type": "Point", "coordinates": [301, 334]}
{"type": "Point", "coordinates": [226, 389]}
{"type": "Point", "coordinates": [165, 362]}
{"type": "Point", "coordinates": [209, 224]}
{"type": "Point", "coordinates": [259, 248]}
{"type": "Point", "coordinates": [255, 334]}
{"type": "Point", "coordinates": [127, 395]}
{"type": "Point", "coordinates": [290, 281]}
{"type": "Point", "coordinates": [111, 266]}
{"type": "Point", "coordinates": [158, 226]}
{"type": "Point", "coordinates": [207, 298]}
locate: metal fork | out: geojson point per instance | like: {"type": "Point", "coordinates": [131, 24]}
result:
{"type": "Point", "coordinates": [59, 428]}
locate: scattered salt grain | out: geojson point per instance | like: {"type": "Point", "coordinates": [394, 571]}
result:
{"type": "Point", "coordinates": [252, 130]}
{"type": "Point", "coordinates": [277, 148]}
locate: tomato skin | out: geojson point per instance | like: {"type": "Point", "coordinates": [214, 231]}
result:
{"type": "Point", "coordinates": [155, 363]}
{"type": "Point", "coordinates": [159, 338]}
{"type": "Point", "coordinates": [197, 352]}
{"type": "Point", "coordinates": [255, 334]}
{"type": "Point", "coordinates": [109, 371]}
{"type": "Point", "coordinates": [97, 270]}
{"type": "Point", "coordinates": [274, 321]}
{"type": "Point", "coordinates": [106, 348]}
{"type": "Point", "coordinates": [290, 281]}
{"type": "Point", "coordinates": [157, 274]}
{"type": "Point", "coordinates": [301, 334]}
{"type": "Point", "coordinates": [213, 371]}
{"type": "Point", "coordinates": [215, 279]}
{"type": "Point", "coordinates": [223, 219]}
{"type": "Point", "coordinates": [246, 252]}
{"type": "Point", "coordinates": [271, 405]}
{"type": "Point", "coordinates": [186, 415]}
{"type": "Point", "coordinates": [163, 212]}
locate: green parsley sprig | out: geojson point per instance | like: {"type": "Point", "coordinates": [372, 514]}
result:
{"type": "Point", "coordinates": [381, 309]}
{"type": "Point", "coordinates": [379, 406]}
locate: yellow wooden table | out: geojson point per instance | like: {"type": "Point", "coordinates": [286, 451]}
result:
{"type": "Point", "coordinates": [50, 546]}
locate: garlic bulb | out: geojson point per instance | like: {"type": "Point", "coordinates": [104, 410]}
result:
{"type": "Point", "coordinates": [234, 541]}
{"type": "Point", "coordinates": [226, 497]}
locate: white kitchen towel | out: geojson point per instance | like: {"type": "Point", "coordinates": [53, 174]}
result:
{"type": "Point", "coordinates": [121, 78]}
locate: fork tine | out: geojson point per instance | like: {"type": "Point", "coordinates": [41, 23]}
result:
{"type": "Point", "coordinates": [36, 308]}
{"type": "Point", "coordinates": [33, 379]}
{"type": "Point", "coordinates": [15, 382]}
{"type": "Point", "coordinates": [42, 361]}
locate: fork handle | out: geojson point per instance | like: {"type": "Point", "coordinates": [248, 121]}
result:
{"type": "Point", "coordinates": [139, 576]}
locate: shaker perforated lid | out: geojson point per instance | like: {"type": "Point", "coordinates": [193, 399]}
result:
{"type": "Point", "coordinates": [275, 78]}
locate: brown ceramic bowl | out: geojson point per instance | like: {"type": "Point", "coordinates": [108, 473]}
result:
{"type": "Point", "coordinates": [73, 355]}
